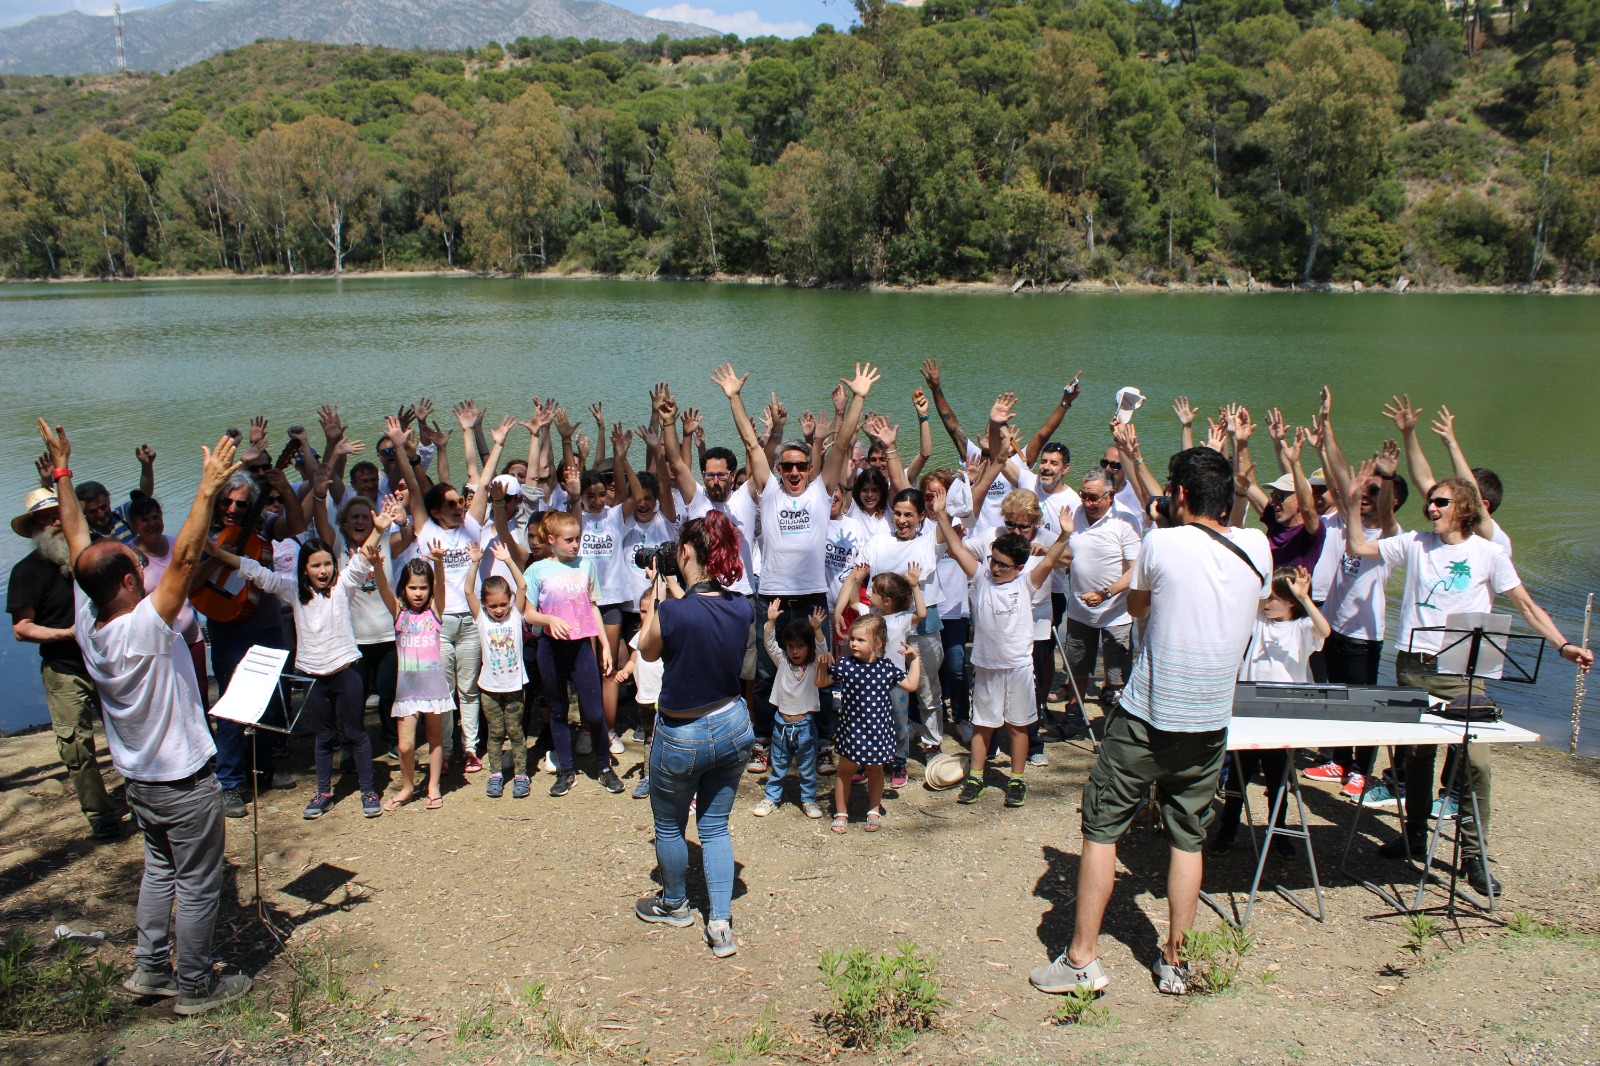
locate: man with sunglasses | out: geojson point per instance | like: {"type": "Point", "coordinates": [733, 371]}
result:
{"type": "Point", "coordinates": [1449, 570]}
{"type": "Point", "coordinates": [1199, 586]}
{"type": "Point", "coordinates": [1123, 496]}
{"type": "Point", "coordinates": [1289, 512]}
{"type": "Point", "coordinates": [1105, 542]}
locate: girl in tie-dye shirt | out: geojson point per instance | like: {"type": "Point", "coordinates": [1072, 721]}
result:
{"type": "Point", "coordinates": [563, 598]}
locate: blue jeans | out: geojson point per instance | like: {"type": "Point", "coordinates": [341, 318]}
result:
{"type": "Point", "coordinates": [228, 648]}
{"type": "Point", "coordinates": [704, 761]}
{"type": "Point", "coordinates": [953, 672]}
{"type": "Point", "coordinates": [795, 741]}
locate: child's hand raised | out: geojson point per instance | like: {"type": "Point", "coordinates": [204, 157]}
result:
{"type": "Point", "coordinates": [500, 551]}
{"type": "Point", "coordinates": [914, 573]}
{"type": "Point", "coordinates": [773, 610]}
{"type": "Point", "coordinates": [436, 553]}
{"type": "Point", "coordinates": [1301, 584]}
{"type": "Point", "coordinates": [475, 551]}
{"type": "Point", "coordinates": [819, 617]}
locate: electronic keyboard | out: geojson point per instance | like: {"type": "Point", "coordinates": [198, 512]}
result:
{"type": "Point", "coordinates": [1339, 703]}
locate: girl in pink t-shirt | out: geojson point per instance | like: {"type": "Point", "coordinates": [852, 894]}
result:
{"type": "Point", "coordinates": [421, 688]}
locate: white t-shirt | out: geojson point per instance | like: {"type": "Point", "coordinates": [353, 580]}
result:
{"type": "Point", "coordinates": [1355, 604]}
{"type": "Point", "coordinates": [155, 720]}
{"type": "Point", "coordinates": [602, 546]}
{"type": "Point", "coordinates": [1099, 550]}
{"type": "Point", "coordinates": [886, 554]}
{"type": "Point", "coordinates": [636, 535]}
{"type": "Point", "coordinates": [954, 582]}
{"type": "Point", "coordinates": [958, 501]}
{"type": "Point", "coordinates": [1498, 536]}
{"type": "Point", "coordinates": [1127, 501]}
{"type": "Point", "coordinates": [900, 624]}
{"type": "Point", "coordinates": [457, 559]}
{"type": "Point", "coordinates": [325, 639]}
{"type": "Point", "coordinates": [1058, 508]}
{"type": "Point", "coordinates": [369, 618]}
{"type": "Point", "coordinates": [988, 515]}
{"type": "Point", "coordinates": [980, 543]}
{"type": "Point", "coordinates": [1203, 606]}
{"type": "Point", "coordinates": [1002, 621]}
{"type": "Point", "coordinates": [1281, 651]}
{"type": "Point", "coordinates": [1442, 580]}
{"type": "Point", "coordinates": [794, 539]}
{"type": "Point", "coordinates": [647, 675]}
{"type": "Point", "coordinates": [187, 622]}
{"type": "Point", "coordinates": [794, 689]}
{"type": "Point", "coordinates": [874, 525]}
{"type": "Point", "coordinates": [741, 511]}
{"type": "Point", "coordinates": [1328, 558]}
{"type": "Point", "coordinates": [503, 668]}
{"type": "Point", "coordinates": [846, 538]}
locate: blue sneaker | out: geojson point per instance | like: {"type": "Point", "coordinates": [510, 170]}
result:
{"type": "Point", "coordinates": [642, 789]}
{"type": "Point", "coordinates": [1446, 807]}
{"type": "Point", "coordinates": [320, 801]}
{"type": "Point", "coordinates": [495, 786]}
{"type": "Point", "coordinates": [520, 786]}
{"type": "Point", "coordinates": [1380, 795]}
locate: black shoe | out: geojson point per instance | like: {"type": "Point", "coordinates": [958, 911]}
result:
{"type": "Point", "coordinates": [1396, 848]}
{"type": "Point", "coordinates": [1283, 847]}
{"type": "Point", "coordinates": [1472, 870]}
{"type": "Point", "coordinates": [971, 789]}
{"type": "Point", "coordinates": [233, 805]}
{"type": "Point", "coordinates": [611, 782]}
{"type": "Point", "coordinates": [1016, 792]}
{"type": "Point", "coordinates": [563, 785]}
{"type": "Point", "coordinates": [1220, 844]}
{"type": "Point", "coordinates": [106, 827]}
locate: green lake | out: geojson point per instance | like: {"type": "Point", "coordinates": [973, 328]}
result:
{"type": "Point", "coordinates": [175, 363]}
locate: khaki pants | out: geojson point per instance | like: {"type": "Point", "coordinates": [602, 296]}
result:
{"type": "Point", "coordinates": [72, 701]}
{"type": "Point", "coordinates": [1418, 670]}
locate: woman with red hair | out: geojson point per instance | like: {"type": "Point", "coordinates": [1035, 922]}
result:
{"type": "Point", "coordinates": [703, 735]}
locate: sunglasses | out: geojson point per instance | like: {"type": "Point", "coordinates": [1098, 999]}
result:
{"type": "Point", "coordinates": [1441, 502]}
{"type": "Point", "coordinates": [262, 469]}
{"type": "Point", "coordinates": [235, 505]}
{"type": "Point", "coordinates": [1110, 464]}
{"type": "Point", "coordinates": [789, 468]}
{"type": "Point", "coordinates": [1372, 492]}
{"type": "Point", "coordinates": [996, 564]}
{"type": "Point", "coordinates": [1018, 527]}
{"type": "Point", "coordinates": [1092, 497]}
{"type": "Point", "coordinates": [1278, 497]}
{"type": "Point", "coordinates": [387, 453]}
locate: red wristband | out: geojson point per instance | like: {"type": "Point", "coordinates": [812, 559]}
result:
{"type": "Point", "coordinates": [59, 472]}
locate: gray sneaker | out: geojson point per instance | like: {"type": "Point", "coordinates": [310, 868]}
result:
{"type": "Point", "coordinates": [146, 983]}
{"type": "Point", "coordinates": [654, 909]}
{"type": "Point", "coordinates": [224, 989]}
{"type": "Point", "coordinates": [233, 804]}
{"type": "Point", "coordinates": [1061, 977]}
{"type": "Point", "coordinates": [719, 934]}
{"type": "Point", "coordinates": [1039, 759]}
{"type": "Point", "coordinates": [1170, 980]}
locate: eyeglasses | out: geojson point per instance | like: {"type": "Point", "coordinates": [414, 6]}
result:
{"type": "Point", "coordinates": [258, 470]}
{"type": "Point", "coordinates": [1278, 497]}
{"type": "Point", "coordinates": [1018, 527]}
{"type": "Point", "coordinates": [717, 475]}
{"type": "Point", "coordinates": [995, 563]}
{"type": "Point", "coordinates": [1441, 502]}
{"type": "Point", "coordinates": [1092, 497]}
{"type": "Point", "coordinates": [789, 468]}
{"type": "Point", "coordinates": [1110, 464]}
{"type": "Point", "coordinates": [387, 453]}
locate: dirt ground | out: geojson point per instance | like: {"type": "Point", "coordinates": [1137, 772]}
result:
{"type": "Point", "coordinates": [430, 936]}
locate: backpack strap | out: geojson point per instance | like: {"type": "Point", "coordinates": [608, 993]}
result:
{"type": "Point", "coordinates": [1231, 546]}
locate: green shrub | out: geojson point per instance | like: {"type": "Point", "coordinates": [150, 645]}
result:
{"type": "Point", "coordinates": [880, 998]}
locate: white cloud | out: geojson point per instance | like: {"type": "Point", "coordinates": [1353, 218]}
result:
{"type": "Point", "coordinates": [744, 23]}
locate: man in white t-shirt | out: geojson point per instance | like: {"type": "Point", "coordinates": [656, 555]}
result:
{"type": "Point", "coordinates": [1105, 542]}
{"type": "Point", "coordinates": [795, 503]}
{"type": "Point", "coordinates": [1198, 586]}
{"type": "Point", "coordinates": [157, 734]}
{"type": "Point", "coordinates": [1449, 570]}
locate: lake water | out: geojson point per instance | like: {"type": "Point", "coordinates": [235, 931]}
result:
{"type": "Point", "coordinates": [175, 363]}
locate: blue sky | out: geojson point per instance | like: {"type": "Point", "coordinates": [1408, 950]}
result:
{"type": "Point", "coordinates": [748, 18]}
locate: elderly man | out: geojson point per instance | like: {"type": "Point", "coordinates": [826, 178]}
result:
{"type": "Point", "coordinates": [1105, 542]}
{"type": "Point", "coordinates": [156, 730]}
{"type": "Point", "coordinates": [1199, 587]}
{"type": "Point", "coordinates": [39, 600]}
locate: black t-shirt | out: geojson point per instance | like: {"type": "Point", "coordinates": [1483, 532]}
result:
{"type": "Point", "coordinates": [36, 582]}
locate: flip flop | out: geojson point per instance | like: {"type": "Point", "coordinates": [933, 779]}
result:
{"type": "Point", "coordinates": [874, 820]}
{"type": "Point", "coordinates": [841, 823]}
{"type": "Point", "coordinates": [434, 803]}
{"type": "Point", "coordinates": [394, 803]}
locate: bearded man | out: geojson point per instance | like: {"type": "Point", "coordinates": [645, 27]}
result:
{"type": "Point", "coordinates": [39, 601]}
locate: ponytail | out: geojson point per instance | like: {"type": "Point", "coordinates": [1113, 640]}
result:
{"type": "Point", "coordinates": [714, 540]}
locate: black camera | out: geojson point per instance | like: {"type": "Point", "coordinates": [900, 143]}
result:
{"type": "Point", "coordinates": [663, 557]}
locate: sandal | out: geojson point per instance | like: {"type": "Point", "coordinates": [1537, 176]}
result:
{"type": "Point", "coordinates": [874, 820]}
{"type": "Point", "coordinates": [841, 823]}
{"type": "Point", "coordinates": [434, 803]}
{"type": "Point", "coordinates": [396, 801]}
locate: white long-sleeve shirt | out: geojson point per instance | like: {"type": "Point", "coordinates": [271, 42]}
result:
{"type": "Point", "coordinates": [325, 635]}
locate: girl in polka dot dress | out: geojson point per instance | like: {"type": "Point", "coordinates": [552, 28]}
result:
{"type": "Point", "coordinates": [864, 733]}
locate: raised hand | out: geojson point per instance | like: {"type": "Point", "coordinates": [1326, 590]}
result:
{"type": "Point", "coordinates": [819, 618]}
{"type": "Point", "coordinates": [724, 378]}
{"type": "Point", "coordinates": [651, 438]}
{"type": "Point", "coordinates": [435, 434]}
{"type": "Point", "coordinates": [298, 434]}
{"type": "Point", "coordinates": [1388, 459]}
{"type": "Point", "coordinates": [1324, 403]}
{"type": "Point", "coordinates": [332, 428]}
{"type": "Point", "coordinates": [346, 446]}
{"type": "Point", "coordinates": [423, 409]}
{"type": "Point", "coordinates": [1276, 429]}
{"type": "Point", "coordinates": [392, 511]}
{"type": "Point", "coordinates": [499, 433]}
{"type": "Point", "coordinates": [1184, 410]}
{"type": "Point", "coordinates": [563, 423]}
{"type": "Point", "coordinates": [621, 439]}
{"type": "Point", "coordinates": [1242, 426]}
{"type": "Point", "coordinates": [887, 433]}
{"type": "Point", "coordinates": [1314, 435]}
{"type": "Point", "coordinates": [866, 376]}
{"type": "Point", "coordinates": [56, 444]}
{"type": "Point", "coordinates": [394, 431]}
{"type": "Point", "coordinates": [474, 552]}
{"type": "Point", "coordinates": [1004, 405]}
{"type": "Point", "coordinates": [1071, 392]}
{"type": "Point", "coordinates": [919, 400]}
{"type": "Point", "coordinates": [571, 480]}
{"type": "Point", "coordinates": [774, 609]}
{"type": "Point", "coordinates": [467, 414]}
{"type": "Point", "coordinates": [500, 551]}
{"type": "Point", "coordinates": [436, 553]}
{"type": "Point", "coordinates": [930, 372]}
{"type": "Point", "coordinates": [808, 424]}
{"type": "Point", "coordinates": [597, 412]}
{"type": "Point", "coordinates": [42, 465]}
{"type": "Point", "coordinates": [936, 497]}
{"type": "Point", "coordinates": [542, 416]}
{"type": "Point", "coordinates": [1364, 473]}
{"type": "Point", "coordinates": [1300, 584]}
{"type": "Point", "coordinates": [258, 431]}
{"type": "Point", "coordinates": [217, 467]}
{"type": "Point", "coordinates": [322, 482]}
{"type": "Point", "coordinates": [914, 573]}
{"type": "Point", "coordinates": [1292, 445]}
{"type": "Point", "coordinates": [145, 454]}
{"type": "Point", "coordinates": [692, 422]}
{"type": "Point", "coordinates": [840, 398]}
{"type": "Point", "coordinates": [1216, 435]}
{"type": "Point", "coordinates": [1127, 438]}
{"type": "Point", "coordinates": [580, 444]}
{"type": "Point", "coordinates": [665, 406]}
{"type": "Point", "coordinates": [1444, 424]}
{"type": "Point", "coordinates": [1401, 413]}
{"type": "Point", "coordinates": [406, 415]}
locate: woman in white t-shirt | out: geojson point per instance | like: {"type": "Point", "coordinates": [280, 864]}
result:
{"type": "Point", "coordinates": [1288, 631]}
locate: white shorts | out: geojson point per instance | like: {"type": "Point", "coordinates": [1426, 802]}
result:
{"type": "Point", "coordinates": [1003, 697]}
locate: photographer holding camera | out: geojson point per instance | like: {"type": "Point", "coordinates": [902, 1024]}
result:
{"type": "Point", "coordinates": [703, 737]}
{"type": "Point", "coordinates": [1198, 585]}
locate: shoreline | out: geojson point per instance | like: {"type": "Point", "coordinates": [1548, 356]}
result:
{"type": "Point", "coordinates": [987, 288]}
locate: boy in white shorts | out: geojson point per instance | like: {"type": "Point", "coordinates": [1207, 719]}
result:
{"type": "Point", "coordinates": [1002, 645]}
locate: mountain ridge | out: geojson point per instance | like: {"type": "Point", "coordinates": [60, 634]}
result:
{"type": "Point", "coordinates": [184, 32]}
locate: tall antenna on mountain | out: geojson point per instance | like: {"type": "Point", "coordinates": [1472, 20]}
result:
{"type": "Point", "coordinates": [122, 56]}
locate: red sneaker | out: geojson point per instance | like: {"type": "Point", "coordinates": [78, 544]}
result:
{"type": "Point", "coordinates": [759, 763]}
{"type": "Point", "coordinates": [1353, 785]}
{"type": "Point", "coordinates": [473, 764]}
{"type": "Point", "coordinates": [1328, 771]}
{"type": "Point", "coordinates": [825, 763]}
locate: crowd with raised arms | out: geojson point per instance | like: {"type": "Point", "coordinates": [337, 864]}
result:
{"type": "Point", "coordinates": [795, 600]}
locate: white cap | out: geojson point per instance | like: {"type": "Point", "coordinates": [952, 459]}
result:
{"type": "Point", "coordinates": [1129, 400]}
{"type": "Point", "coordinates": [508, 482]}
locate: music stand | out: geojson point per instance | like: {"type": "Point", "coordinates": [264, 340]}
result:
{"type": "Point", "coordinates": [256, 679]}
{"type": "Point", "coordinates": [1478, 652]}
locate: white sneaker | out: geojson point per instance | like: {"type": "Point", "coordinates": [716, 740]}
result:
{"type": "Point", "coordinates": [548, 763]}
{"type": "Point", "coordinates": [617, 747]}
{"type": "Point", "coordinates": [764, 808]}
{"type": "Point", "coordinates": [583, 745]}
{"type": "Point", "coordinates": [1039, 759]}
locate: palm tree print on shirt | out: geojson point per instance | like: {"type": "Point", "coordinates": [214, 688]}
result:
{"type": "Point", "coordinates": [1458, 575]}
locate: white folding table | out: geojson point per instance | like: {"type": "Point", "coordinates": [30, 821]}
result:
{"type": "Point", "coordinates": [1293, 734]}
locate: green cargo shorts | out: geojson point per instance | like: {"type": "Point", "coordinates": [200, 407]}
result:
{"type": "Point", "coordinates": [1184, 767]}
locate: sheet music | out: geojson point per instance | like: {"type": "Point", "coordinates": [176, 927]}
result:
{"type": "Point", "coordinates": [254, 683]}
{"type": "Point", "coordinates": [1458, 632]}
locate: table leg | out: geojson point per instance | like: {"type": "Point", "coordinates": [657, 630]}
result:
{"type": "Point", "coordinates": [1290, 782]}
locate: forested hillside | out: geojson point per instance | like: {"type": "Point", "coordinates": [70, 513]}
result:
{"type": "Point", "coordinates": [958, 140]}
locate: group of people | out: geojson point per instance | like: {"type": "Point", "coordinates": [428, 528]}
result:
{"type": "Point", "coordinates": [822, 607]}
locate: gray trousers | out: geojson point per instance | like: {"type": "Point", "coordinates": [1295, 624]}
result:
{"type": "Point", "coordinates": [183, 841]}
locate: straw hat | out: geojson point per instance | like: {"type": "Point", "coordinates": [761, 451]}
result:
{"type": "Point", "coordinates": [37, 502]}
{"type": "Point", "coordinates": [945, 771]}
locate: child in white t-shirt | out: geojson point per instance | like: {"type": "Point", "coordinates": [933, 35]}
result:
{"type": "Point", "coordinates": [646, 677]}
{"type": "Point", "coordinates": [504, 674]}
{"type": "Point", "coordinates": [802, 657]}
{"type": "Point", "coordinates": [1289, 630]}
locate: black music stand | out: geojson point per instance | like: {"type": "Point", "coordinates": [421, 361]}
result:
{"type": "Point", "coordinates": [1478, 643]}
{"type": "Point", "coordinates": [250, 728]}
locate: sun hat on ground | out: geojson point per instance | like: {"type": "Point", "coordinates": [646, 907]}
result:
{"type": "Point", "coordinates": [37, 502]}
{"type": "Point", "coordinates": [945, 771]}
